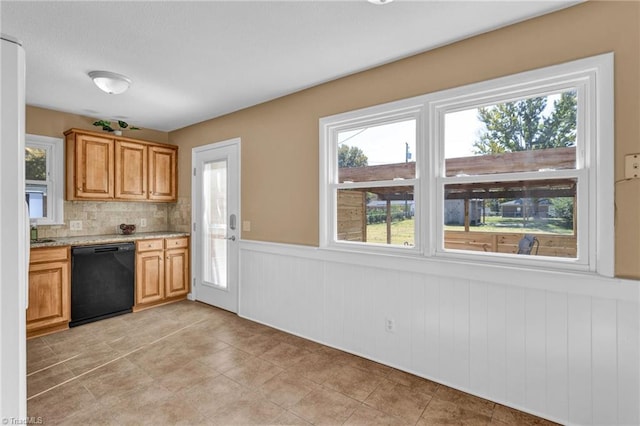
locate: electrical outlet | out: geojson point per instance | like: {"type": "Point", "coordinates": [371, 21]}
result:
{"type": "Point", "coordinates": [389, 325]}
{"type": "Point", "coordinates": [632, 166]}
{"type": "Point", "coordinates": [143, 223]}
{"type": "Point", "coordinates": [75, 225]}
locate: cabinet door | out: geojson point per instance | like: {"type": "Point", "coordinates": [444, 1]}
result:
{"type": "Point", "coordinates": [130, 170]}
{"type": "Point", "coordinates": [176, 273]}
{"type": "Point", "coordinates": [149, 277]}
{"type": "Point", "coordinates": [49, 295]}
{"type": "Point", "coordinates": [94, 167]}
{"type": "Point", "coordinates": [162, 173]}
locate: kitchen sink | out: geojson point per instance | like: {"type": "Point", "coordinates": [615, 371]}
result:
{"type": "Point", "coordinates": [43, 240]}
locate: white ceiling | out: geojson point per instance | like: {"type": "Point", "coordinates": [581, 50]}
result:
{"type": "Point", "coordinates": [192, 61]}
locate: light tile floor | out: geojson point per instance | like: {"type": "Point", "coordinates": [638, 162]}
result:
{"type": "Point", "coordinates": [188, 363]}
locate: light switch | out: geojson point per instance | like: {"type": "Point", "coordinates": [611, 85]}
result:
{"type": "Point", "coordinates": [246, 225]}
{"type": "Point", "coordinates": [632, 166]}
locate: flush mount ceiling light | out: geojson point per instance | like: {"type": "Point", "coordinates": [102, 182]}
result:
{"type": "Point", "coordinates": [379, 2]}
{"type": "Point", "coordinates": [110, 82]}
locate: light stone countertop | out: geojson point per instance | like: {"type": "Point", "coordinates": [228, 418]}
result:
{"type": "Point", "coordinates": [84, 240]}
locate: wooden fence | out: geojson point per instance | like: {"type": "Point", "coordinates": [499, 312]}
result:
{"type": "Point", "coordinates": [550, 245]}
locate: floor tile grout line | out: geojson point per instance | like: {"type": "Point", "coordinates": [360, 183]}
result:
{"type": "Point", "coordinates": [112, 361]}
{"type": "Point", "coordinates": [86, 372]}
{"type": "Point", "coordinates": [52, 365]}
{"type": "Point", "coordinates": [174, 332]}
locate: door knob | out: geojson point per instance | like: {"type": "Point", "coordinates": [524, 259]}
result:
{"type": "Point", "coordinates": [232, 238]}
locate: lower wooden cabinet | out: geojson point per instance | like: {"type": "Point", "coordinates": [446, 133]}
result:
{"type": "Point", "coordinates": [49, 290]}
{"type": "Point", "coordinates": [176, 267]}
{"type": "Point", "coordinates": [162, 270]}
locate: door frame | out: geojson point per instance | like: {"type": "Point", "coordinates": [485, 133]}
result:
{"type": "Point", "coordinates": [194, 214]}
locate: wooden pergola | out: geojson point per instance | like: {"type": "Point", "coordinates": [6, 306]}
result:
{"type": "Point", "coordinates": [522, 161]}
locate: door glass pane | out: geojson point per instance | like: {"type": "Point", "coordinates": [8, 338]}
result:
{"type": "Point", "coordinates": [214, 232]}
{"type": "Point", "coordinates": [35, 163]}
{"type": "Point", "coordinates": [526, 135]}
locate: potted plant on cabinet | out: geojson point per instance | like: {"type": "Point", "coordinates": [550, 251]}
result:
{"type": "Point", "coordinates": [107, 127]}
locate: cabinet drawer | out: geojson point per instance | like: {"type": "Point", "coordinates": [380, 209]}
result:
{"type": "Point", "coordinates": [149, 245]}
{"type": "Point", "coordinates": [48, 254]}
{"type": "Point", "coordinates": [179, 242]}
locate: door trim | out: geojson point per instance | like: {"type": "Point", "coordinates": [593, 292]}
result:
{"type": "Point", "coordinates": [194, 246]}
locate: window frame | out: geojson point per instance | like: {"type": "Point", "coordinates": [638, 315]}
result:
{"type": "Point", "coordinates": [329, 129]}
{"type": "Point", "coordinates": [591, 77]}
{"type": "Point", "coordinates": [55, 177]}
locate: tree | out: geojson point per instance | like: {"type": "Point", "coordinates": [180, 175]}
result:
{"type": "Point", "coordinates": [563, 209]}
{"type": "Point", "coordinates": [521, 125]}
{"type": "Point", "coordinates": [35, 164]}
{"type": "Point", "coordinates": [351, 156]}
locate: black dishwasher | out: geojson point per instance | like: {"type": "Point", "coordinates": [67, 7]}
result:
{"type": "Point", "coordinates": [102, 281]}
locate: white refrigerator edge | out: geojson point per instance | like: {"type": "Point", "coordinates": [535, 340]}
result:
{"type": "Point", "coordinates": [14, 242]}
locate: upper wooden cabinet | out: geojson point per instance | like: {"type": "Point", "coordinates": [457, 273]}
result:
{"type": "Point", "coordinates": [131, 170]}
{"type": "Point", "coordinates": [162, 173]}
{"type": "Point", "coordinates": [91, 160]}
{"type": "Point", "coordinates": [105, 167]}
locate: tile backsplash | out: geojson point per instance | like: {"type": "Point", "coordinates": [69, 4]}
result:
{"type": "Point", "coordinates": [103, 218]}
{"type": "Point", "coordinates": [180, 215]}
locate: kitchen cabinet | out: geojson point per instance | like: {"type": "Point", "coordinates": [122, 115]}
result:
{"type": "Point", "coordinates": [49, 290]}
{"type": "Point", "coordinates": [90, 167]}
{"type": "Point", "coordinates": [162, 271]}
{"type": "Point", "coordinates": [176, 267]}
{"type": "Point", "coordinates": [130, 170]}
{"type": "Point", "coordinates": [149, 271]}
{"type": "Point", "coordinates": [162, 173]}
{"type": "Point", "coordinates": [106, 168]}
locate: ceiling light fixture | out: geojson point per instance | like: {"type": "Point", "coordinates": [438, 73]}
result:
{"type": "Point", "coordinates": [110, 82]}
{"type": "Point", "coordinates": [379, 2]}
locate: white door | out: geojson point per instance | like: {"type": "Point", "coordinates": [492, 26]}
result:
{"type": "Point", "coordinates": [216, 223]}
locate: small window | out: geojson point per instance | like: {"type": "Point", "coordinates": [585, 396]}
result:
{"type": "Point", "coordinates": [44, 179]}
{"type": "Point", "coordinates": [374, 181]}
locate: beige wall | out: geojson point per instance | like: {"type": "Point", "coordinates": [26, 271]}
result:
{"type": "Point", "coordinates": [280, 138]}
{"type": "Point", "coordinates": [46, 122]}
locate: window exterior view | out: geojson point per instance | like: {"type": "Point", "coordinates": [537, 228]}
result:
{"type": "Point", "coordinates": [375, 169]}
{"type": "Point", "coordinates": [43, 178]}
{"type": "Point", "coordinates": [535, 135]}
{"type": "Point", "coordinates": [505, 169]}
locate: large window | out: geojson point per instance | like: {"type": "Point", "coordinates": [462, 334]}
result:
{"type": "Point", "coordinates": [517, 170]}
{"type": "Point", "coordinates": [44, 179]}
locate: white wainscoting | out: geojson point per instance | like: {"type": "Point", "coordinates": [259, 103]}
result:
{"type": "Point", "coordinates": [563, 346]}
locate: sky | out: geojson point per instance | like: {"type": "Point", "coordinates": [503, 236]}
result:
{"type": "Point", "coordinates": [385, 144]}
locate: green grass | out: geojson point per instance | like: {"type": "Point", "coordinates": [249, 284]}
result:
{"type": "Point", "coordinates": [404, 231]}
{"type": "Point", "coordinates": [401, 232]}
{"type": "Point", "coordinates": [514, 224]}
